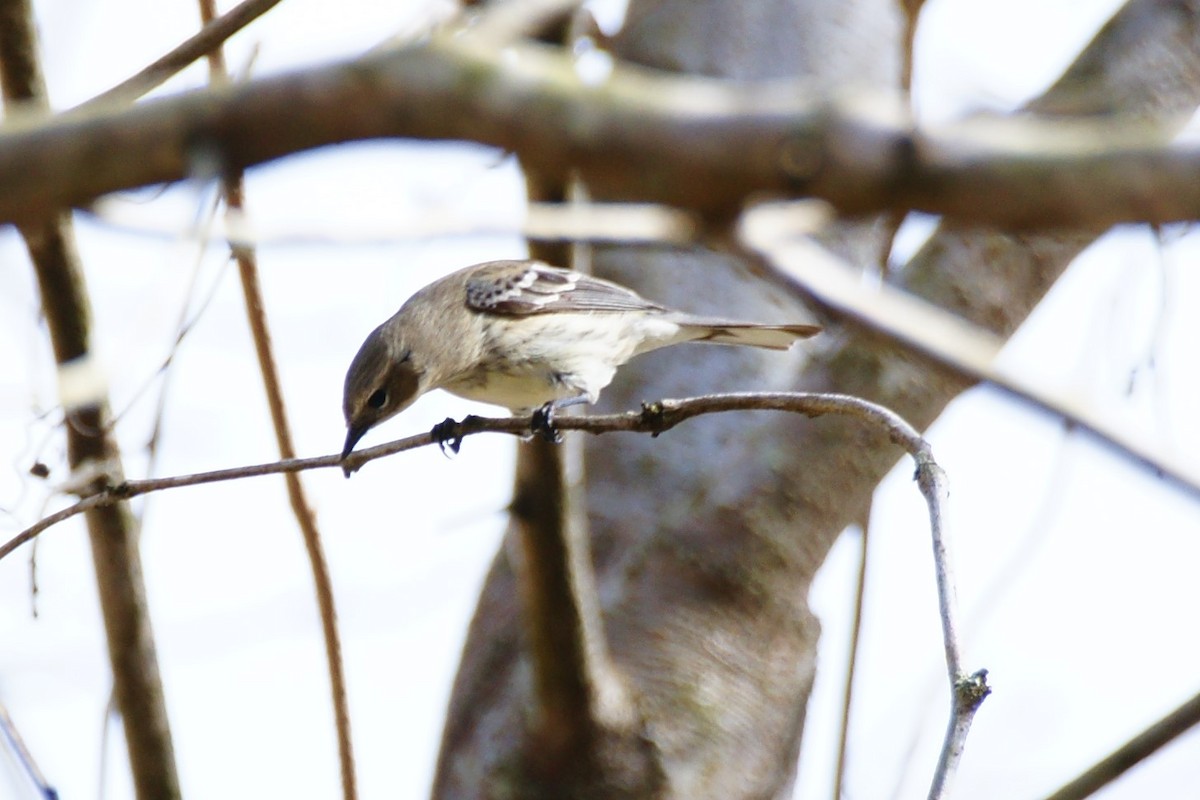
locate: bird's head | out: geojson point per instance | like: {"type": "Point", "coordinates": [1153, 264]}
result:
{"type": "Point", "coordinates": [383, 380]}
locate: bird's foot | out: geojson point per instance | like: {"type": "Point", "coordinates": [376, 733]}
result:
{"type": "Point", "coordinates": [449, 436]}
{"type": "Point", "coordinates": [542, 423]}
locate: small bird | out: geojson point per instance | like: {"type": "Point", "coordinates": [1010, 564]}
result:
{"type": "Point", "coordinates": [523, 335]}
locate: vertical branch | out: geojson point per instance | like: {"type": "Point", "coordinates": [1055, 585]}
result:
{"type": "Point", "coordinates": [577, 693]}
{"type": "Point", "coordinates": [967, 692]}
{"type": "Point", "coordinates": [860, 590]}
{"type": "Point", "coordinates": [91, 447]}
{"type": "Point", "coordinates": [247, 262]}
{"type": "Point", "coordinates": [559, 607]}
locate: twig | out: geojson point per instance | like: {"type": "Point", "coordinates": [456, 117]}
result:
{"type": "Point", "coordinates": [860, 590]}
{"type": "Point", "coordinates": [210, 37]}
{"type": "Point", "coordinates": [233, 188]}
{"type": "Point", "coordinates": [656, 418]}
{"type": "Point", "coordinates": [24, 759]}
{"type": "Point", "coordinates": [967, 692]}
{"type": "Point", "coordinates": [1132, 752]}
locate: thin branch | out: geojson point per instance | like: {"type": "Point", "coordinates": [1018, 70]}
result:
{"type": "Point", "coordinates": [207, 40]}
{"type": "Point", "coordinates": [912, 13]}
{"type": "Point", "coordinates": [656, 418]}
{"type": "Point", "coordinates": [233, 188]}
{"type": "Point", "coordinates": [14, 743]}
{"type": "Point", "coordinates": [695, 143]}
{"type": "Point", "coordinates": [967, 692]}
{"type": "Point", "coordinates": [1133, 752]}
{"type": "Point", "coordinates": [860, 591]}
{"type": "Point", "coordinates": [301, 509]}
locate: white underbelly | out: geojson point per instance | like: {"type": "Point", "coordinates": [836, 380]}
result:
{"type": "Point", "coordinates": [558, 356]}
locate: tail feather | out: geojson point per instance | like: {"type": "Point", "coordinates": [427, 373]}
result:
{"type": "Point", "coordinates": [750, 334]}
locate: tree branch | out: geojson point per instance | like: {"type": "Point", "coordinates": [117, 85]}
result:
{"type": "Point", "coordinates": [112, 531]}
{"type": "Point", "coordinates": [657, 418]}
{"type": "Point", "coordinates": [1133, 752]}
{"type": "Point", "coordinates": [233, 189]}
{"type": "Point", "coordinates": [208, 39]}
{"type": "Point", "coordinates": [954, 343]}
{"type": "Point", "coordinates": [694, 143]}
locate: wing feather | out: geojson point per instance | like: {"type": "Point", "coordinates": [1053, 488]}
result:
{"type": "Point", "coordinates": [521, 288]}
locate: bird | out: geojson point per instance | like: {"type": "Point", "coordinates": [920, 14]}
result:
{"type": "Point", "coordinates": [524, 335]}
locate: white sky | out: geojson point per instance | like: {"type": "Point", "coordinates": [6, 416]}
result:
{"type": "Point", "coordinates": [1086, 636]}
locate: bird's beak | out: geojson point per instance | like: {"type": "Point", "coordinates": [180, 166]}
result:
{"type": "Point", "coordinates": [353, 434]}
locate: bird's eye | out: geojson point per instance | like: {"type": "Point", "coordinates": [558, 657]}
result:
{"type": "Point", "coordinates": [377, 398]}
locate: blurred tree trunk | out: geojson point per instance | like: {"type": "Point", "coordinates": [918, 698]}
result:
{"type": "Point", "coordinates": [706, 539]}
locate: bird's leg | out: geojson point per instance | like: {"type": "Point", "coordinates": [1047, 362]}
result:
{"type": "Point", "coordinates": [542, 421]}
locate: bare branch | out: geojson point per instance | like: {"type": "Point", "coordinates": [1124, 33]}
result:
{"type": "Point", "coordinates": [207, 40]}
{"type": "Point", "coordinates": [860, 590]}
{"type": "Point", "coordinates": [1133, 752]}
{"type": "Point", "coordinates": [695, 143]}
{"type": "Point", "coordinates": [233, 189]}
{"type": "Point", "coordinates": [656, 418]}
{"type": "Point", "coordinates": [112, 531]}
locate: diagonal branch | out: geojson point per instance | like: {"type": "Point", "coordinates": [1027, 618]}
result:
{"type": "Point", "coordinates": [1133, 752]}
{"type": "Point", "coordinates": [210, 38]}
{"type": "Point", "coordinates": [954, 343]}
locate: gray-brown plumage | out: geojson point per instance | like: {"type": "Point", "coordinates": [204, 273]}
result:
{"type": "Point", "coordinates": [521, 334]}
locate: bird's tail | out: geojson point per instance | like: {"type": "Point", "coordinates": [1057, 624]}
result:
{"type": "Point", "coordinates": [750, 334]}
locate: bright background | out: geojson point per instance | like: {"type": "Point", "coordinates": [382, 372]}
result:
{"type": "Point", "coordinates": [1076, 570]}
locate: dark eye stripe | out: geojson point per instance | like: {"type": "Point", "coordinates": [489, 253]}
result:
{"type": "Point", "coordinates": [377, 398]}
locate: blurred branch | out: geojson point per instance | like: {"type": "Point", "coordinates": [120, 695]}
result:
{"type": "Point", "coordinates": [912, 13]}
{"type": "Point", "coordinates": [583, 719]}
{"type": "Point", "coordinates": [860, 590]}
{"type": "Point", "coordinates": [210, 38]}
{"type": "Point", "coordinates": [505, 21]}
{"type": "Point", "coordinates": [1133, 752]}
{"type": "Point", "coordinates": [91, 448]}
{"type": "Point", "coordinates": [14, 746]}
{"type": "Point", "coordinates": [954, 343]}
{"type": "Point", "coordinates": [696, 143]}
{"type": "Point", "coordinates": [543, 222]}
{"type": "Point", "coordinates": [233, 189]}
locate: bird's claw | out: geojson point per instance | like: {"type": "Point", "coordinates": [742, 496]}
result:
{"type": "Point", "coordinates": [541, 423]}
{"type": "Point", "coordinates": [449, 436]}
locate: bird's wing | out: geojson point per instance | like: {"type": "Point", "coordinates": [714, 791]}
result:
{"type": "Point", "coordinates": [520, 288]}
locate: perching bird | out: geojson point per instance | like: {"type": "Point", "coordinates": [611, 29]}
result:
{"type": "Point", "coordinates": [521, 334]}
